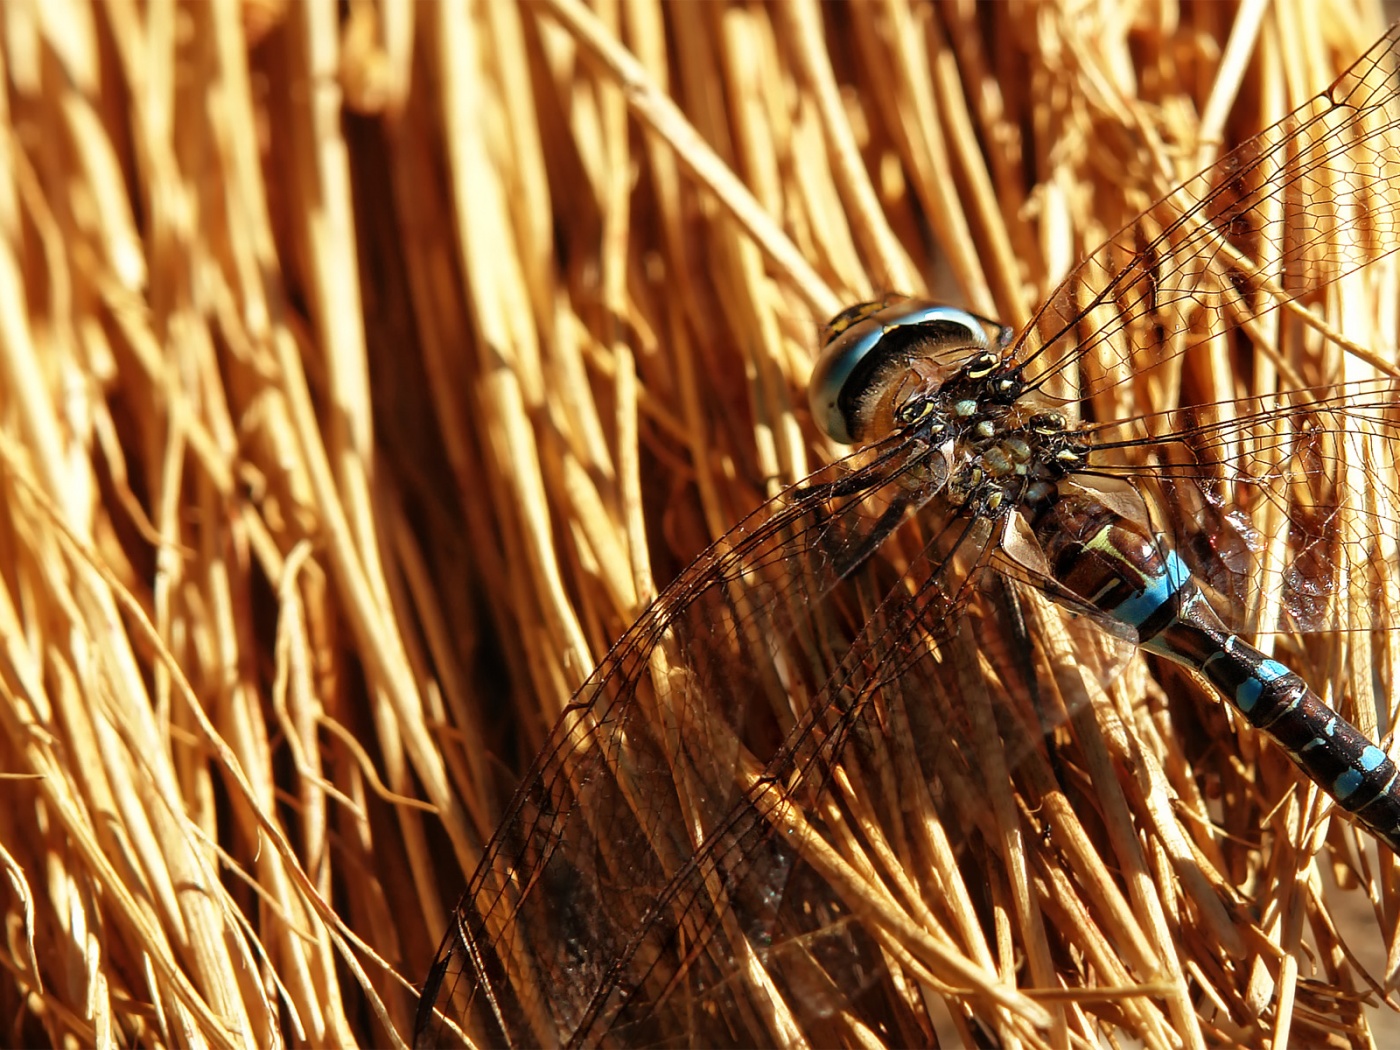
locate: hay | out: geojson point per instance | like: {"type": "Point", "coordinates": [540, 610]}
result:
{"type": "Point", "coordinates": [365, 372]}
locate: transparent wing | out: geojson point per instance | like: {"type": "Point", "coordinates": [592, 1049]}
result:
{"type": "Point", "coordinates": [638, 880]}
{"type": "Point", "coordinates": [1286, 214]}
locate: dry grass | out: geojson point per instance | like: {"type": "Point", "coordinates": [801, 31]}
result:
{"type": "Point", "coordinates": [365, 371]}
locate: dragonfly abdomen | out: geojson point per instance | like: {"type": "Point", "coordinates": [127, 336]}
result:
{"type": "Point", "coordinates": [1128, 574]}
{"type": "Point", "coordinates": [1327, 747]}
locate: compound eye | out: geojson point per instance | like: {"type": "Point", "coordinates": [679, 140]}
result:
{"type": "Point", "coordinates": [869, 347]}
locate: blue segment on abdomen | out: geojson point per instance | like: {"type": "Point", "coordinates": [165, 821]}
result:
{"type": "Point", "coordinates": [1160, 589]}
{"type": "Point", "coordinates": [1370, 757]}
{"type": "Point", "coordinates": [1249, 691]}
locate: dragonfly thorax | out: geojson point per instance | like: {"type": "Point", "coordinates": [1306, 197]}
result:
{"type": "Point", "coordinates": [1011, 456]}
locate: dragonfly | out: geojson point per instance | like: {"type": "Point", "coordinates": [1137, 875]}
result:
{"type": "Point", "coordinates": [669, 870]}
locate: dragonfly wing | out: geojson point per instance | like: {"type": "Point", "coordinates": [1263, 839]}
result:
{"type": "Point", "coordinates": [723, 675]}
{"type": "Point", "coordinates": [810, 907]}
{"type": "Point", "coordinates": [1306, 202]}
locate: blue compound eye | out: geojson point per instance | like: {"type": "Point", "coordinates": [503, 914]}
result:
{"type": "Point", "coordinates": [869, 346]}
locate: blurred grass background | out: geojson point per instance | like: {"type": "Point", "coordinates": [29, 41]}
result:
{"type": "Point", "coordinates": [366, 368]}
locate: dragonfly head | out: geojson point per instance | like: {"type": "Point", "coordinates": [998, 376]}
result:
{"type": "Point", "coordinates": [881, 359]}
